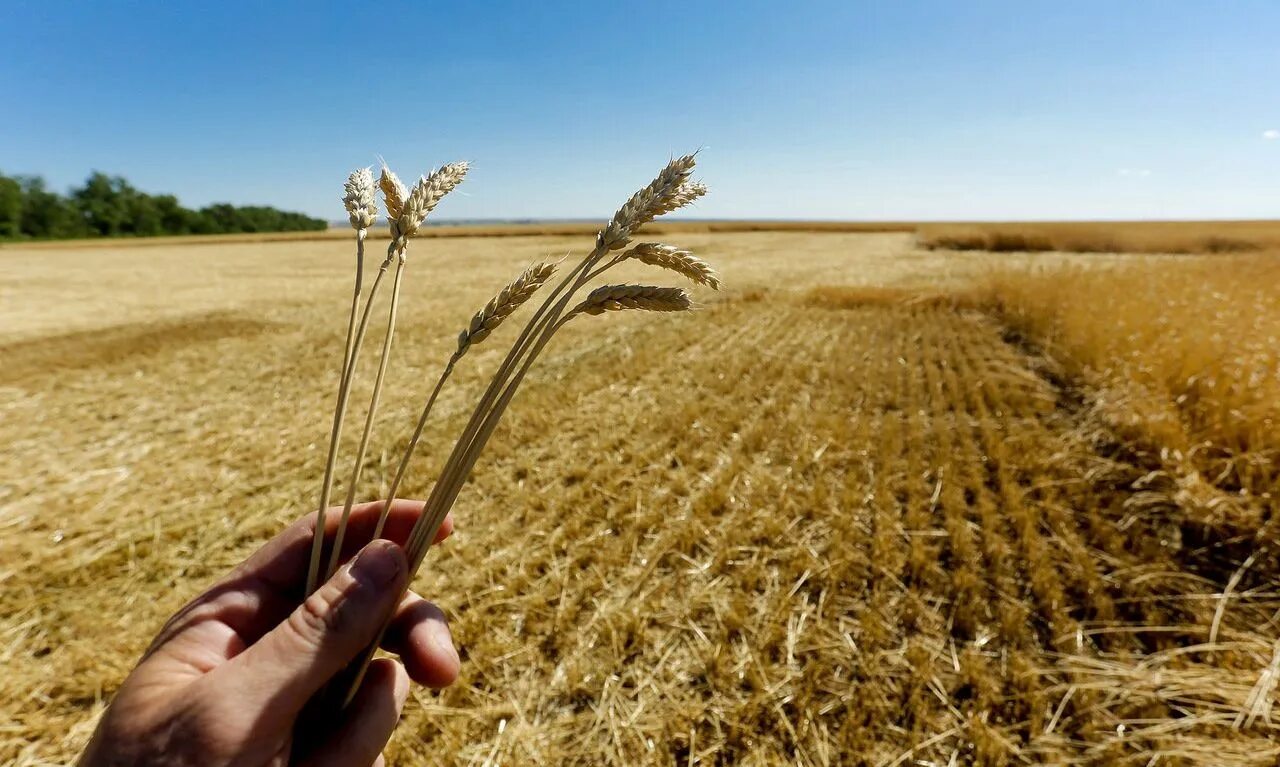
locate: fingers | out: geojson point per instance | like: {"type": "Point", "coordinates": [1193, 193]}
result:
{"type": "Point", "coordinates": [281, 563]}
{"type": "Point", "coordinates": [279, 673]}
{"type": "Point", "coordinates": [262, 591]}
{"type": "Point", "coordinates": [419, 634]}
{"type": "Point", "coordinates": [373, 716]}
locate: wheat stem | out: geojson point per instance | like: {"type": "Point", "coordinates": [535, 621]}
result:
{"type": "Point", "coordinates": [370, 417]}
{"type": "Point", "coordinates": [335, 435]}
{"type": "Point", "coordinates": [413, 445]}
{"type": "Point", "coordinates": [466, 452]}
{"type": "Point", "coordinates": [317, 543]}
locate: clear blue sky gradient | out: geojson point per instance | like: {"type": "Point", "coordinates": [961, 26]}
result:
{"type": "Point", "coordinates": [836, 110]}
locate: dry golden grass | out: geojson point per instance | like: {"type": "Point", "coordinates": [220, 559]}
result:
{"type": "Point", "coordinates": [873, 517]}
{"type": "Point", "coordinates": [1105, 237]}
{"type": "Point", "coordinates": [1183, 357]}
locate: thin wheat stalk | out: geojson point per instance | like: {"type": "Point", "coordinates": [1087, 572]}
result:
{"type": "Point", "coordinates": [668, 191]}
{"type": "Point", "coordinates": [600, 300]}
{"type": "Point", "coordinates": [426, 194]}
{"type": "Point", "coordinates": [435, 509]}
{"type": "Point", "coordinates": [370, 416]}
{"type": "Point", "coordinates": [484, 322]}
{"type": "Point", "coordinates": [335, 436]}
{"type": "Point", "coordinates": [360, 200]}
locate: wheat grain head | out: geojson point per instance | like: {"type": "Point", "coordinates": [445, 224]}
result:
{"type": "Point", "coordinates": [358, 199]}
{"type": "Point", "coordinates": [683, 195]}
{"type": "Point", "coordinates": [669, 190]}
{"type": "Point", "coordinates": [677, 260]}
{"type": "Point", "coordinates": [502, 305]}
{"type": "Point", "coordinates": [612, 298]}
{"type": "Point", "coordinates": [393, 192]}
{"type": "Point", "coordinates": [427, 193]}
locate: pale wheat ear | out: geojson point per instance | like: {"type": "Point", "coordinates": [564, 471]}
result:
{"type": "Point", "coordinates": [359, 199]}
{"type": "Point", "coordinates": [502, 305]}
{"type": "Point", "coordinates": [613, 298]}
{"type": "Point", "coordinates": [428, 193]}
{"type": "Point", "coordinates": [393, 192]}
{"type": "Point", "coordinates": [677, 260]}
{"type": "Point", "coordinates": [668, 191]}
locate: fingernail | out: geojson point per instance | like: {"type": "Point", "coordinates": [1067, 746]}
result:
{"type": "Point", "coordinates": [378, 564]}
{"type": "Point", "coordinates": [442, 638]}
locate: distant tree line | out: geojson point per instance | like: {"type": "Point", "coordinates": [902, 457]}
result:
{"type": "Point", "coordinates": [108, 206]}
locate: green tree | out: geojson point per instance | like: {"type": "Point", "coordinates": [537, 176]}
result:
{"type": "Point", "coordinates": [109, 206]}
{"type": "Point", "coordinates": [47, 214]}
{"type": "Point", "coordinates": [104, 202]}
{"type": "Point", "coordinates": [10, 208]}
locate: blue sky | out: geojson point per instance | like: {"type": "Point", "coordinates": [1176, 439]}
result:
{"type": "Point", "coordinates": [837, 110]}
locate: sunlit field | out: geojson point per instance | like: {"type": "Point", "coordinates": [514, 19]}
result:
{"type": "Point", "coordinates": [890, 504]}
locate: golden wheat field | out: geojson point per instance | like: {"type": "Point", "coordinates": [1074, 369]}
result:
{"type": "Point", "coordinates": [873, 504]}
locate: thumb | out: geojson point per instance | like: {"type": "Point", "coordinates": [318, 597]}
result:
{"type": "Point", "coordinates": [280, 673]}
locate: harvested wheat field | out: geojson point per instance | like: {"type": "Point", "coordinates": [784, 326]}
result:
{"type": "Point", "coordinates": [873, 504]}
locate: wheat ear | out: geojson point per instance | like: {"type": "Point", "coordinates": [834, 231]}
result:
{"type": "Point", "coordinates": [426, 194]}
{"type": "Point", "coordinates": [502, 305]}
{"type": "Point", "coordinates": [393, 193]}
{"type": "Point", "coordinates": [677, 260]}
{"type": "Point", "coordinates": [612, 298]}
{"type": "Point", "coordinates": [671, 189]}
{"type": "Point", "coordinates": [359, 198]}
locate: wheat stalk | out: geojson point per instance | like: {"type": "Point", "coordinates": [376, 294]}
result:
{"type": "Point", "coordinates": [640, 208]}
{"type": "Point", "coordinates": [426, 194]}
{"type": "Point", "coordinates": [482, 324]}
{"type": "Point", "coordinates": [359, 199]}
{"type": "Point", "coordinates": [659, 194]}
{"type": "Point", "coordinates": [335, 435]}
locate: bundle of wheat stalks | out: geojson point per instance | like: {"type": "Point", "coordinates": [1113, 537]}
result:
{"type": "Point", "coordinates": [406, 211]}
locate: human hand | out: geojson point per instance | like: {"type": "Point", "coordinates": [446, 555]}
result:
{"type": "Point", "coordinates": [228, 675]}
